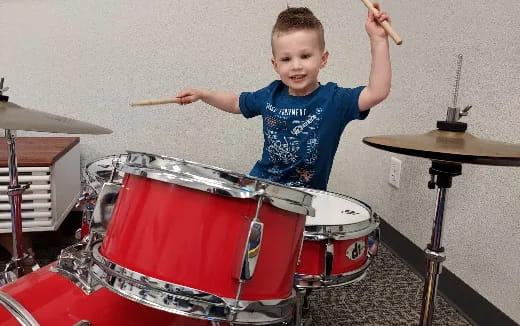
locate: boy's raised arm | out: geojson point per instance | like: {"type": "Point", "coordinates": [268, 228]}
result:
{"type": "Point", "coordinates": [380, 77]}
{"type": "Point", "coordinates": [224, 101]}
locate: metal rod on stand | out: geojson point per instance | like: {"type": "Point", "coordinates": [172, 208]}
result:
{"type": "Point", "coordinates": [15, 199]}
{"type": "Point", "coordinates": [442, 174]}
{"type": "Point", "coordinates": [434, 256]}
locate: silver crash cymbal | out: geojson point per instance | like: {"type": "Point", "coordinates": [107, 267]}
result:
{"type": "Point", "coordinates": [15, 117]}
{"type": "Point", "coordinates": [451, 146]}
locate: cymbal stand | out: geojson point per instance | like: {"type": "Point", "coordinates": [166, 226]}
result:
{"type": "Point", "coordinates": [442, 173]}
{"type": "Point", "coordinates": [14, 191]}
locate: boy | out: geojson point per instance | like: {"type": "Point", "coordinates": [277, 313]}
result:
{"type": "Point", "coordinates": [302, 119]}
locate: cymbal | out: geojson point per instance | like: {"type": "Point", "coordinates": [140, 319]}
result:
{"type": "Point", "coordinates": [458, 147]}
{"type": "Point", "coordinates": [15, 117]}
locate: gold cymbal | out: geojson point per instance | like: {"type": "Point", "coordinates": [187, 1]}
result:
{"type": "Point", "coordinates": [460, 147]}
{"type": "Point", "coordinates": [15, 117]}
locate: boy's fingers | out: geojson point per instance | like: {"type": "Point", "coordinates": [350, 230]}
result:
{"type": "Point", "coordinates": [182, 93]}
{"type": "Point", "coordinates": [187, 99]}
{"type": "Point", "coordinates": [384, 16]}
{"type": "Point", "coordinates": [371, 16]}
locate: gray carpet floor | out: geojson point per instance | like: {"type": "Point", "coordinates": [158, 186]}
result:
{"type": "Point", "coordinates": [390, 294]}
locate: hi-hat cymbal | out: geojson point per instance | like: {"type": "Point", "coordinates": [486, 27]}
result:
{"type": "Point", "coordinates": [15, 117]}
{"type": "Point", "coordinates": [459, 147]}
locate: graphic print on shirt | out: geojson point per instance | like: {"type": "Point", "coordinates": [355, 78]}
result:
{"type": "Point", "coordinates": [291, 137]}
{"type": "Point", "coordinates": [281, 150]}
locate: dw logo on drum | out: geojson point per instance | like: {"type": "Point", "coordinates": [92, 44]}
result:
{"type": "Point", "coordinates": [349, 212]}
{"type": "Point", "coordinates": [356, 250]}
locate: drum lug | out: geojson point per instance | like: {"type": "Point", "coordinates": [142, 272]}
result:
{"type": "Point", "coordinates": [252, 250]}
{"type": "Point", "coordinates": [374, 240]}
{"type": "Point", "coordinates": [329, 258]}
{"type": "Point", "coordinates": [249, 255]}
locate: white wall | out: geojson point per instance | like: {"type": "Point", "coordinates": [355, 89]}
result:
{"type": "Point", "coordinates": [89, 59]}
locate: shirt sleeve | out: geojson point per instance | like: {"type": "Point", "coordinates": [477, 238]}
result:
{"type": "Point", "coordinates": [348, 103]}
{"type": "Point", "coordinates": [252, 103]}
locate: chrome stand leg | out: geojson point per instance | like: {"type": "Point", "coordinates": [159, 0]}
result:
{"type": "Point", "coordinates": [303, 315]}
{"type": "Point", "coordinates": [442, 174]}
{"type": "Point", "coordinates": [15, 199]}
{"type": "Point", "coordinates": [299, 307]}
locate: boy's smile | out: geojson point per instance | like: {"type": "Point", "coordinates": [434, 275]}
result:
{"type": "Point", "coordinates": [298, 58]}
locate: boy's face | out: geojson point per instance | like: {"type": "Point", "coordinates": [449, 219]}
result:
{"type": "Point", "coordinates": [298, 58]}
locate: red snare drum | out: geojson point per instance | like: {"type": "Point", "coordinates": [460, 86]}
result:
{"type": "Point", "coordinates": [202, 241]}
{"type": "Point", "coordinates": [335, 244]}
{"type": "Point", "coordinates": [49, 299]}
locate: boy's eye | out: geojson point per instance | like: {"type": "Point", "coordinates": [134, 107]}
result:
{"type": "Point", "coordinates": [285, 59]}
{"type": "Point", "coordinates": [306, 56]}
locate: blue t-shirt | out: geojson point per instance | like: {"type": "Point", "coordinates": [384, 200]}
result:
{"type": "Point", "coordinates": [301, 133]}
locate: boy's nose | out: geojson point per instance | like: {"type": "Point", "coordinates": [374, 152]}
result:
{"type": "Point", "coordinates": [297, 64]}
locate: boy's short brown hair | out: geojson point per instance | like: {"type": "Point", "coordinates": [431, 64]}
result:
{"type": "Point", "coordinates": [293, 19]}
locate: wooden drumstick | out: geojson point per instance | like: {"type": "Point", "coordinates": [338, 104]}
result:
{"type": "Point", "coordinates": [385, 24]}
{"type": "Point", "coordinates": [157, 101]}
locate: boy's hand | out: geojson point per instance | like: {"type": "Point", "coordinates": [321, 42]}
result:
{"type": "Point", "coordinates": [372, 25]}
{"type": "Point", "coordinates": [190, 95]}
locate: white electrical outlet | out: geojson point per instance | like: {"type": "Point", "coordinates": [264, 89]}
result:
{"type": "Point", "coordinates": [395, 172]}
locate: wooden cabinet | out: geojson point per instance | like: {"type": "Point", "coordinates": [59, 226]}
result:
{"type": "Point", "coordinates": [52, 166]}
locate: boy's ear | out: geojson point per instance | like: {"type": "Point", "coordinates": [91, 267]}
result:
{"type": "Point", "coordinates": [275, 66]}
{"type": "Point", "coordinates": [324, 58]}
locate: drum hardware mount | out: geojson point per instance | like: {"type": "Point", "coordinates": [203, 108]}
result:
{"type": "Point", "coordinates": [87, 204]}
{"type": "Point", "coordinates": [74, 263]}
{"type": "Point", "coordinates": [116, 164]}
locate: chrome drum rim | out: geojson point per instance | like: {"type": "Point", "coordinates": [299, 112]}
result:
{"type": "Point", "coordinates": [186, 301]}
{"type": "Point", "coordinates": [216, 181]}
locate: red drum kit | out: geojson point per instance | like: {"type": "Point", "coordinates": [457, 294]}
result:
{"type": "Point", "coordinates": [177, 272]}
{"type": "Point", "coordinates": [172, 242]}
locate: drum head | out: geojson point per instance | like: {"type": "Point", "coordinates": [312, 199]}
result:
{"type": "Point", "coordinates": [336, 209]}
{"type": "Point", "coordinates": [98, 172]}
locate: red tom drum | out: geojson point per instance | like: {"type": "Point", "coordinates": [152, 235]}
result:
{"type": "Point", "coordinates": [202, 241]}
